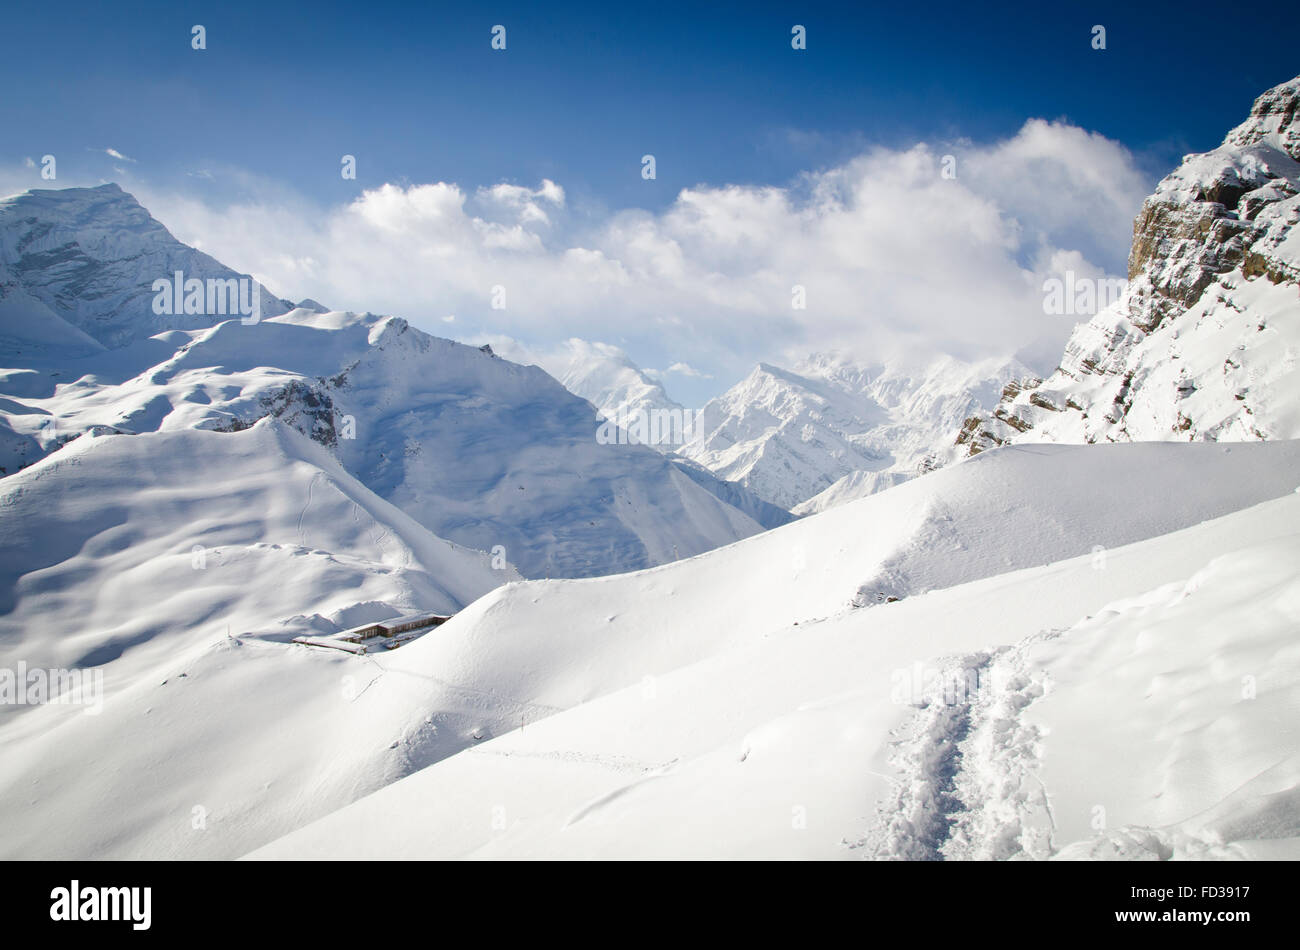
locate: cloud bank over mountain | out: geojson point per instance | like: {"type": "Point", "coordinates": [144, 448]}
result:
{"type": "Point", "coordinates": [893, 256]}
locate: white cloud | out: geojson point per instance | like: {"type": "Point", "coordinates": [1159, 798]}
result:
{"type": "Point", "coordinates": [523, 204]}
{"type": "Point", "coordinates": [114, 153]}
{"type": "Point", "coordinates": [1078, 187]}
{"type": "Point", "coordinates": [893, 257]}
{"type": "Point", "coordinates": [686, 369]}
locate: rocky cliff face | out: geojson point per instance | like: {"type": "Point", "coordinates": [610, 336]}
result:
{"type": "Point", "coordinates": [1203, 342]}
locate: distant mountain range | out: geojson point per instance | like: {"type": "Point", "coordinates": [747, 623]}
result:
{"type": "Point", "coordinates": [831, 430]}
{"type": "Point", "coordinates": [481, 451]}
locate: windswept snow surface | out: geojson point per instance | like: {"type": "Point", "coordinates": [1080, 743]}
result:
{"type": "Point", "coordinates": [178, 566]}
{"type": "Point", "coordinates": [735, 705]}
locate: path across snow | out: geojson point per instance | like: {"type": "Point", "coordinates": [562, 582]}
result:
{"type": "Point", "coordinates": [1109, 717]}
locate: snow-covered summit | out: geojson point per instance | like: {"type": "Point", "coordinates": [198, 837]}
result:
{"type": "Point", "coordinates": [1202, 344]}
{"type": "Point", "coordinates": [1274, 120]}
{"type": "Point", "coordinates": [784, 436]}
{"type": "Point", "coordinates": [605, 376]}
{"type": "Point", "coordinates": [617, 387]}
{"type": "Point", "coordinates": [77, 268]}
{"type": "Point", "coordinates": [831, 423]}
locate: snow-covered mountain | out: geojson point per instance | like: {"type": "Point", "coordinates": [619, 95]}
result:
{"type": "Point", "coordinates": [737, 706]}
{"type": "Point", "coordinates": [965, 665]}
{"type": "Point", "coordinates": [1203, 343]}
{"type": "Point", "coordinates": [743, 682]}
{"type": "Point", "coordinates": [625, 396]}
{"type": "Point", "coordinates": [803, 440]}
{"type": "Point", "coordinates": [179, 505]}
{"type": "Point", "coordinates": [77, 267]}
{"type": "Point", "coordinates": [481, 451]}
{"type": "Point", "coordinates": [177, 566]}
{"type": "Point", "coordinates": [734, 493]}
{"type": "Point", "coordinates": [602, 374]}
{"type": "Point", "coordinates": [837, 430]}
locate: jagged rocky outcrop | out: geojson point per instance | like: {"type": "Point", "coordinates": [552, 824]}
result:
{"type": "Point", "coordinates": [1202, 344]}
{"type": "Point", "coordinates": [306, 406]}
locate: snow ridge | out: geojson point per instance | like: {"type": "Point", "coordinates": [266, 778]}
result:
{"type": "Point", "coordinates": [492, 455]}
{"type": "Point", "coordinates": [77, 267]}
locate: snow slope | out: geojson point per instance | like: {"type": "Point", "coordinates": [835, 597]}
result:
{"type": "Point", "coordinates": [179, 565]}
{"type": "Point", "coordinates": [479, 450]}
{"type": "Point", "coordinates": [850, 487]}
{"type": "Point", "coordinates": [557, 643]}
{"type": "Point", "coordinates": [734, 494]}
{"type": "Point", "coordinates": [811, 741]}
{"type": "Point", "coordinates": [265, 736]}
{"type": "Point", "coordinates": [1202, 679]}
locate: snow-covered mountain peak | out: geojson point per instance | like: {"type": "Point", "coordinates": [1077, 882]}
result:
{"type": "Point", "coordinates": [98, 210]}
{"type": "Point", "coordinates": [1273, 120]}
{"type": "Point", "coordinates": [78, 268]}
{"type": "Point", "coordinates": [841, 369]}
{"type": "Point", "coordinates": [1202, 343]}
{"type": "Point", "coordinates": [790, 435]}
{"type": "Point", "coordinates": [605, 376]}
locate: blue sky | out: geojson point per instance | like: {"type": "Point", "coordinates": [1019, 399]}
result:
{"type": "Point", "coordinates": [582, 92]}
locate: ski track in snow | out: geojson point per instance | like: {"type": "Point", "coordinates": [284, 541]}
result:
{"type": "Point", "coordinates": [311, 486]}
